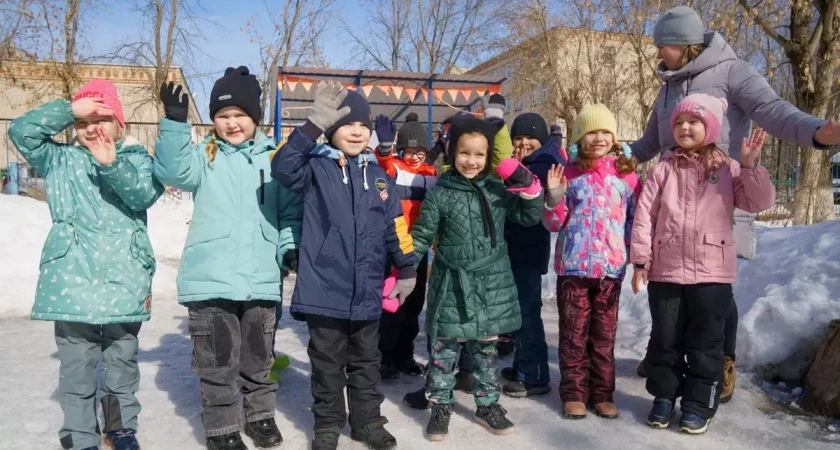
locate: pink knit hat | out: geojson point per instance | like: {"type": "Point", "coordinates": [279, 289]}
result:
{"type": "Point", "coordinates": [105, 90]}
{"type": "Point", "coordinates": [708, 109]}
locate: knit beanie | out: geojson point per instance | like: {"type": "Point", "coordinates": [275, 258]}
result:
{"type": "Point", "coordinates": [708, 109]}
{"type": "Point", "coordinates": [105, 90]}
{"type": "Point", "coordinates": [461, 125]}
{"type": "Point", "coordinates": [531, 125]}
{"type": "Point", "coordinates": [679, 26]}
{"type": "Point", "coordinates": [592, 118]}
{"type": "Point", "coordinates": [359, 112]}
{"type": "Point", "coordinates": [237, 88]}
{"type": "Point", "coordinates": [412, 134]}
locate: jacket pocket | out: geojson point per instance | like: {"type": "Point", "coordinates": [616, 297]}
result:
{"type": "Point", "coordinates": [666, 254]}
{"type": "Point", "coordinates": [206, 257]}
{"type": "Point", "coordinates": [719, 253]}
{"type": "Point", "coordinates": [141, 250]}
{"type": "Point", "coordinates": [204, 349]}
{"type": "Point", "coordinates": [267, 267]}
{"type": "Point", "coordinates": [58, 243]}
{"type": "Point", "coordinates": [207, 232]}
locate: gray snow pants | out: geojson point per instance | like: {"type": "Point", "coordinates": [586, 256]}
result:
{"type": "Point", "coordinates": [79, 347]}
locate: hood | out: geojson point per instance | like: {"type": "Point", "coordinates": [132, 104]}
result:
{"type": "Point", "coordinates": [716, 51]}
{"type": "Point", "coordinates": [451, 179]}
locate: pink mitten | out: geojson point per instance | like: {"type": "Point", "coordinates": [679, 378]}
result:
{"type": "Point", "coordinates": [390, 304]}
{"type": "Point", "coordinates": [518, 178]}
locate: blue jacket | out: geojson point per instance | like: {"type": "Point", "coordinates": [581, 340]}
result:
{"type": "Point", "coordinates": [352, 222]}
{"type": "Point", "coordinates": [243, 221]}
{"type": "Point", "coordinates": [530, 247]}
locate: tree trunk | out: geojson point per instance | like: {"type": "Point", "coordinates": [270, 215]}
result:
{"type": "Point", "coordinates": [822, 385]}
{"type": "Point", "coordinates": [814, 195]}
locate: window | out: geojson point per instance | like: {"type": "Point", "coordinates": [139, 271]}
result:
{"type": "Point", "coordinates": [609, 56]}
{"type": "Point", "coordinates": [496, 72]}
{"type": "Point", "coordinates": [518, 104]}
{"type": "Point", "coordinates": [534, 98]}
{"type": "Point", "coordinates": [545, 91]}
{"type": "Point", "coordinates": [507, 106]}
{"type": "Point", "coordinates": [507, 71]}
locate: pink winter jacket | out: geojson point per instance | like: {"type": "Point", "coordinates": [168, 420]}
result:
{"type": "Point", "coordinates": [682, 230]}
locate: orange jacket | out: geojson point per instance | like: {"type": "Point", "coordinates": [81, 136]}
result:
{"type": "Point", "coordinates": [423, 177]}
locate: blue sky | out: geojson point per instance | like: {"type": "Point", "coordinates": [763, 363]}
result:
{"type": "Point", "coordinates": [227, 46]}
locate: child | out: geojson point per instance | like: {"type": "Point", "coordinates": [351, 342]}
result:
{"type": "Point", "coordinates": [398, 330]}
{"type": "Point", "coordinates": [97, 264]}
{"type": "Point", "coordinates": [529, 249]}
{"type": "Point", "coordinates": [592, 208]}
{"type": "Point", "coordinates": [243, 233]}
{"type": "Point", "coordinates": [474, 296]}
{"type": "Point", "coordinates": [683, 243]}
{"type": "Point", "coordinates": [353, 224]}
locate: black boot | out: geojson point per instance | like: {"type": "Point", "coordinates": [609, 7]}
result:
{"type": "Point", "coordinates": [520, 389]}
{"type": "Point", "coordinates": [493, 418]}
{"type": "Point", "coordinates": [264, 433]}
{"type": "Point", "coordinates": [326, 438]}
{"type": "Point", "coordinates": [388, 372]}
{"type": "Point", "coordinates": [465, 382]}
{"type": "Point", "coordinates": [417, 399]}
{"type": "Point", "coordinates": [509, 373]}
{"type": "Point", "coordinates": [410, 367]}
{"type": "Point", "coordinates": [375, 435]}
{"type": "Point", "coordinates": [504, 347]}
{"type": "Point", "coordinates": [227, 442]}
{"type": "Point", "coordinates": [438, 426]}
{"type": "Point", "coordinates": [122, 440]}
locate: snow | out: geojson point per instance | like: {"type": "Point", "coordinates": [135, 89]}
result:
{"type": "Point", "coordinates": [30, 415]}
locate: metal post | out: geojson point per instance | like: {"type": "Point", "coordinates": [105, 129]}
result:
{"type": "Point", "coordinates": [429, 98]}
{"type": "Point", "coordinates": [278, 117]}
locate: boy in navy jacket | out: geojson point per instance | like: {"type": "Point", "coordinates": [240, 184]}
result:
{"type": "Point", "coordinates": [352, 223]}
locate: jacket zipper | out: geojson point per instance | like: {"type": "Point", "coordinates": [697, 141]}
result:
{"type": "Point", "coordinates": [262, 186]}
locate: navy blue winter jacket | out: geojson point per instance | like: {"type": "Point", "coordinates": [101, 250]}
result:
{"type": "Point", "coordinates": [530, 247]}
{"type": "Point", "coordinates": [352, 222]}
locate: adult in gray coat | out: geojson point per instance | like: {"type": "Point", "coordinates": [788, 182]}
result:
{"type": "Point", "coordinates": [695, 61]}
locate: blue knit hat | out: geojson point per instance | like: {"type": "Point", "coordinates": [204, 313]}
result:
{"type": "Point", "coordinates": [359, 112]}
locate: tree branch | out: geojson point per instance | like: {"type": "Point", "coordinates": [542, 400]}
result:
{"type": "Point", "coordinates": [782, 41]}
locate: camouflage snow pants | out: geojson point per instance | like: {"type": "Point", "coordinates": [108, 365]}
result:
{"type": "Point", "coordinates": [444, 358]}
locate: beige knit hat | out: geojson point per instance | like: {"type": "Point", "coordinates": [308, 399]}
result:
{"type": "Point", "coordinates": [591, 118]}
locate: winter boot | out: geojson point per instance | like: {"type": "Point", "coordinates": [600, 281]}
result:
{"type": "Point", "coordinates": [661, 413]}
{"type": "Point", "coordinates": [641, 371]}
{"type": "Point", "coordinates": [438, 426]}
{"type": "Point", "coordinates": [520, 389]}
{"type": "Point", "coordinates": [410, 367]}
{"type": "Point", "coordinates": [464, 382]}
{"type": "Point", "coordinates": [729, 379]}
{"type": "Point", "coordinates": [264, 433]}
{"type": "Point", "coordinates": [375, 435]}
{"type": "Point", "coordinates": [693, 424]}
{"type": "Point", "coordinates": [416, 399]}
{"type": "Point", "coordinates": [122, 440]}
{"type": "Point", "coordinates": [509, 373]}
{"type": "Point", "coordinates": [574, 410]}
{"type": "Point", "coordinates": [504, 346]}
{"type": "Point", "coordinates": [388, 372]}
{"type": "Point", "coordinates": [326, 438]}
{"type": "Point", "coordinates": [231, 441]}
{"type": "Point", "coordinates": [606, 410]}
{"type": "Point", "coordinates": [493, 418]}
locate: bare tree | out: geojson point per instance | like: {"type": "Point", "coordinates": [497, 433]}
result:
{"type": "Point", "coordinates": [809, 41]}
{"type": "Point", "coordinates": [384, 42]}
{"type": "Point", "coordinates": [296, 28]}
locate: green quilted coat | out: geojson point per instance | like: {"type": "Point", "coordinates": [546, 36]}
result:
{"type": "Point", "coordinates": [97, 263]}
{"type": "Point", "coordinates": [471, 292]}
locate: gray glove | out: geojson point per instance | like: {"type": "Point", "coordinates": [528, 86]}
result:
{"type": "Point", "coordinates": [402, 289]}
{"type": "Point", "coordinates": [328, 98]}
{"type": "Point", "coordinates": [491, 110]}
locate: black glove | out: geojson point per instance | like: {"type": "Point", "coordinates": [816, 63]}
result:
{"type": "Point", "coordinates": [175, 103]}
{"type": "Point", "coordinates": [290, 259]}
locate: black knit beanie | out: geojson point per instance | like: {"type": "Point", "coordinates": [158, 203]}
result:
{"type": "Point", "coordinates": [237, 88]}
{"type": "Point", "coordinates": [412, 134]}
{"type": "Point", "coordinates": [359, 112]}
{"type": "Point", "coordinates": [465, 125]}
{"type": "Point", "coordinates": [531, 125]}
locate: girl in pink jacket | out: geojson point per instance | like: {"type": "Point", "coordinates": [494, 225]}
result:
{"type": "Point", "coordinates": [593, 213]}
{"type": "Point", "coordinates": [683, 244]}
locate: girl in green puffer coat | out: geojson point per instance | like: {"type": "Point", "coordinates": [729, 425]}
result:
{"type": "Point", "coordinates": [97, 264]}
{"type": "Point", "coordinates": [472, 296]}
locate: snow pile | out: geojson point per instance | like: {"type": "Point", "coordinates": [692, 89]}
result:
{"type": "Point", "coordinates": [786, 297]}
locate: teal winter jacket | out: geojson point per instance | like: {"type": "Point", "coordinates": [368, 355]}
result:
{"type": "Point", "coordinates": [243, 221]}
{"type": "Point", "coordinates": [97, 263]}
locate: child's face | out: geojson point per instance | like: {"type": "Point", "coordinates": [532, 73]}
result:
{"type": "Point", "coordinates": [234, 126]}
{"type": "Point", "coordinates": [414, 156]}
{"type": "Point", "coordinates": [351, 138]}
{"type": "Point", "coordinates": [596, 144]}
{"type": "Point", "coordinates": [689, 132]}
{"type": "Point", "coordinates": [672, 56]}
{"type": "Point", "coordinates": [471, 155]}
{"type": "Point", "coordinates": [85, 128]}
{"type": "Point", "coordinates": [525, 145]}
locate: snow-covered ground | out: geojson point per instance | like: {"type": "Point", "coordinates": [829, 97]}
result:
{"type": "Point", "coordinates": [785, 296]}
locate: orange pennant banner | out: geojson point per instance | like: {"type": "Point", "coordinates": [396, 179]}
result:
{"type": "Point", "coordinates": [453, 93]}
{"type": "Point", "coordinates": [438, 93]}
{"type": "Point", "coordinates": [411, 93]}
{"type": "Point", "coordinates": [351, 86]}
{"type": "Point", "coordinates": [385, 89]}
{"type": "Point", "coordinates": [306, 84]}
{"type": "Point", "coordinates": [425, 93]}
{"type": "Point", "coordinates": [467, 93]}
{"type": "Point", "coordinates": [495, 89]}
{"type": "Point", "coordinates": [292, 82]}
{"type": "Point", "coordinates": [367, 90]}
{"type": "Point", "coordinates": [397, 90]}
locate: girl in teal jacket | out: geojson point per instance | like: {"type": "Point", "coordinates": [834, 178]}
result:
{"type": "Point", "coordinates": [97, 264]}
{"type": "Point", "coordinates": [244, 231]}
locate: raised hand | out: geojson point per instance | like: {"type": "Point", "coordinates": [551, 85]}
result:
{"type": "Point", "coordinates": [325, 111]}
{"type": "Point", "coordinates": [102, 147]}
{"type": "Point", "coordinates": [828, 134]}
{"type": "Point", "coordinates": [176, 104]}
{"type": "Point", "coordinates": [90, 107]}
{"type": "Point", "coordinates": [752, 147]}
{"type": "Point", "coordinates": [386, 131]}
{"type": "Point", "coordinates": [555, 178]}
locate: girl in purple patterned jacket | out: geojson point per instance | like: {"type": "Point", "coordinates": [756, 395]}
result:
{"type": "Point", "coordinates": [592, 208]}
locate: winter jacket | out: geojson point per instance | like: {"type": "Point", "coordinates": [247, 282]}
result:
{"type": "Point", "coordinates": [683, 225]}
{"type": "Point", "coordinates": [243, 222]}
{"type": "Point", "coordinates": [717, 71]}
{"type": "Point", "coordinates": [97, 263]}
{"type": "Point", "coordinates": [352, 222]}
{"type": "Point", "coordinates": [471, 291]}
{"type": "Point", "coordinates": [530, 247]}
{"type": "Point", "coordinates": [595, 221]}
{"type": "Point", "coordinates": [423, 178]}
